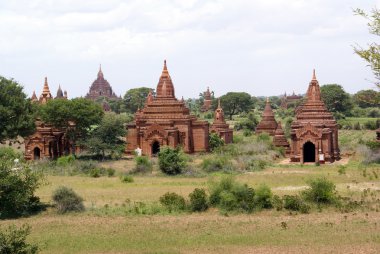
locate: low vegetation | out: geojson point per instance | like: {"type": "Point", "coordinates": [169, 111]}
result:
{"type": "Point", "coordinates": [66, 200]}
{"type": "Point", "coordinates": [13, 240]}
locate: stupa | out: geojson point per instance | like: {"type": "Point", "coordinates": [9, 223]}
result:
{"type": "Point", "coordinates": [279, 138]}
{"type": "Point", "coordinates": [101, 88]}
{"type": "Point", "coordinates": [206, 100]}
{"type": "Point", "coordinates": [267, 124]}
{"type": "Point", "coordinates": [220, 126]}
{"type": "Point", "coordinates": [314, 135]}
{"type": "Point", "coordinates": [166, 121]}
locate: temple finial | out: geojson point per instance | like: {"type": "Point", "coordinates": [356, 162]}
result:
{"type": "Point", "coordinates": [314, 76]}
{"type": "Point", "coordinates": [267, 99]}
{"type": "Point", "coordinates": [219, 103]}
{"type": "Point", "coordinates": [165, 67]}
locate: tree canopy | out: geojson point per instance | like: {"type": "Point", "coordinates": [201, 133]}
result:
{"type": "Point", "coordinates": [16, 112]}
{"type": "Point", "coordinates": [371, 54]}
{"type": "Point", "coordinates": [235, 103]}
{"type": "Point", "coordinates": [367, 98]}
{"type": "Point", "coordinates": [336, 99]}
{"type": "Point", "coordinates": [135, 98]}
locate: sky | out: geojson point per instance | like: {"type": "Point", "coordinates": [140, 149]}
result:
{"type": "Point", "coordinates": [262, 47]}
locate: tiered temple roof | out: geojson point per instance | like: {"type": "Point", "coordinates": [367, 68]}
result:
{"type": "Point", "coordinates": [279, 138]}
{"type": "Point", "coordinates": [45, 95]}
{"type": "Point", "coordinates": [267, 124]}
{"type": "Point", "coordinates": [101, 88]}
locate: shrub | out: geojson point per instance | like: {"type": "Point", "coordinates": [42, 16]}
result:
{"type": "Point", "coordinates": [110, 172]}
{"type": "Point", "coordinates": [143, 165]}
{"type": "Point", "coordinates": [263, 197]}
{"type": "Point", "coordinates": [127, 179]}
{"type": "Point", "coordinates": [66, 200]}
{"type": "Point", "coordinates": [295, 203]}
{"type": "Point", "coordinates": [173, 202]}
{"type": "Point", "coordinates": [277, 203]}
{"type": "Point", "coordinates": [215, 141]}
{"type": "Point", "coordinates": [17, 189]}
{"type": "Point", "coordinates": [370, 125]}
{"type": "Point", "coordinates": [263, 137]}
{"type": "Point", "coordinates": [8, 154]}
{"type": "Point", "coordinates": [171, 161]}
{"type": "Point", "coordinates": [65, 160]}
{"type": "Point", "coordinates": [198, 200]}
{"type": "Point", "coordinates": [321, 191]}
{"type": "Point", "coordinates": [13, 240]}
{"type": "Point", "coordinates": [95, 172]}
{"type": "Point", "coordinates": [357, 126]}
{"type": "Point", "coordinates": [216, 163]}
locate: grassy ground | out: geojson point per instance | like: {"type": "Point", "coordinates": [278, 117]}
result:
{"type": "Point", "coordinates": [106, 227]}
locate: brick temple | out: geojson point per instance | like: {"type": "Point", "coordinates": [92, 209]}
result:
{"type": "Point", "coordinates": [100, 88]}
{"type": "Point", "coordinates": [166, 121]}
{"type": "Point", "coordinates": [291, 99]}
{"type": "Point", "coordinates": [207, 101]}
{"type": "Point", "coordinates": [220, 126]}
{"type": "Point", "coordinates": [267, 124]}
{"type": "Point", "coordinates": [47, 141]}
{"type": "Point", "coordinates": [279, 139]}
{"type": "Point", "coordinates": [314, 135]}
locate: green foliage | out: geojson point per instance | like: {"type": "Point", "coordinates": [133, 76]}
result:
{"type": "Point", "coordinates": [95, 172]}
{"type": "Point", "coordinates": [367, 98]}
{"type": "Point", "coordinates": [143, 165]}
{"type": "Point", "coordinates": [135, 98]}
{"type": "Point", "coordinates": [110, 172]}
{"type": "Point", "coordinates": [370, 125]}
{"type": "Point", "coordinates": [16, 112]}
{"type": "Point", "coordinates": [263, 137]}
{"type": "Point", "coordinates": [249, 123]}
{"type": "Point", "coordinates": [127, 179]}
{"type": "Point", "coordinates": [198, 200]}
{"type": "Point", "coordinates": [17, 187]}
{"type": "Point", "coordinates": [336, 99]}
{"type": "Point", "coordinates": [173, 202]}
{"type": "Point", "coordinates": [8, 154]}
{"type": "Point", "coordinates": [171, 161]}
{"type": "Point", "coordinates": [66, 200]}
{"type": "Point", "coordinates": [65, 160]}
{"type": "Point", "coordinates": [216, 163]}
{"type": "Point", "coordinates": [263, 197]}
{"type": "Point", "coordinates": [13, 241]}
{"type": "Point", "coordinates": [215, 141]}
{"type": "Point", "coordinates": [321, 191]}
{"type": "Point", "coordinates": [342, 169]}
{"type": "Point", "coordinates": [295, 203]}
{"type": "Point", "coordinates": [235, 103]}
{"type": "Point", "coordinates": [372, 54]}
{"type": "Point", "coordinates": [373, 145]}
{"type": "Point", "coordinates": [107, 137]}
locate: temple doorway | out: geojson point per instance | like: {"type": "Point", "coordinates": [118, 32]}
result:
{"type": "Point", "coordinates": [308, 152]}
{"type": "Point", "coordinates": [37, 153]}
{"type": "Point", "coordinates": [155, 147]}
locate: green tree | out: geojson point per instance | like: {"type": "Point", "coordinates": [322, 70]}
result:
{"type": "Point", "coordinates": [215, 141]}
{"type": "Point", "coordinates": [135, 98]}
{"type": "Point", "coordinates": [16, 112]}
{"type": "Point", "coordinates": [372, 54]}
{"type": "Point", "coordinates": [235, 103]}
{"type": "Point", "coordinates": [13, 240]}
{"type": "Point", "coordinates": [171, 161]}
{"type": "Point", "coordinates": [367, 98]}
{"type": "Point", "coordinates": [336, 99]}
{"type": "Point", "coordinates": [107, 137]}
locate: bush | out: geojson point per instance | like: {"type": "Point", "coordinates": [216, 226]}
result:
{"type": "Point", "coordinates": [215, 141]}
{"type": "Point", "coordinates": [295, 203]}
{"type": "Point", "coordinates": [65, 160]}
{"type": "Point", "coordinates": [95, 172]}
{"type": "Point", "coordinates": [321, 191]}
{"type": "Point", "coordinates": [110, 172]}
{"type": "Point", "coordinates": [370, 125]}
{"type": "Point", "coordinates": [173, 202]}
{"type": "Point", "coordinates": [17, 189]}
{"type": "Point", "coordinates": [198, 200]}
{"type": "Point", "coordinates": [263, 197]}
{"type": "Point", "coordinates": [8, 154]}
{"type": "Point", "coordinates": [216, 163]}
{"type": "Point", "coordinates": [263, 137]}
{"type": "Point", "coordinates": [277, 203]}
{"type": "Point", "coordinates": [143, 165]}
{"type": "Point", "coordinates": [13, 240]}
{"type": "Point", "coordinates": [127, 179]}
{"type": "Point", "coordinates": [66, 200]}
{"type": "Point", "coordinates": [171, 161]}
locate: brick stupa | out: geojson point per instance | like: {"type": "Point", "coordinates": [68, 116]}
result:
{"type": "Point", "coordinates": [279, 139]}
{"type": "Point", "coordinates": [314, 135]}
{"type": "Point", "coordinates": [166, 121]}
{"type": "Point", "coordinates": [207, 100]}
{"type": "Point", "coordinates": [220, 126]}
{"type": "Point", "coordinates": [267, 124]}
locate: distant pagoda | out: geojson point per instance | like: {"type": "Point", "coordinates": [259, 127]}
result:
{"type": "Point", "coordinates": [101, 88]}
{"type": "Point", "coordinates": [267, 124]}
{"type": "Point", "coordinates": [207, 100]}
{"type": "Point", "coordinates": [220, 126]}
{"type": "Point", "coordinates": [279, 139]}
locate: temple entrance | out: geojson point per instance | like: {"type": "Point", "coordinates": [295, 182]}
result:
{"type": "Point", "coordinates": [308, 152]}
{"type": "Point", "coordinates": [37, 153]}
{"type": "Point", "coordinates": [155, 148]}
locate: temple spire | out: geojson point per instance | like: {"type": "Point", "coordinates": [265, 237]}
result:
{"type": "Point", "coordinates": [100, 73]}
{"type": "Point", "coordinates": [314, 76]}
{"type": "Point", "coordinates": [165, 88]}
{"type": "Point", "coordinates": [219, 103]}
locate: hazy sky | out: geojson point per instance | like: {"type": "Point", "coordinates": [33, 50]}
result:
{"type": "Point", "coordinates": [263, 47]}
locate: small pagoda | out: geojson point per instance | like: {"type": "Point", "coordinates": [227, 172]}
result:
{"type": "Point", "coordinates": [279, 139]}
{"type": "Point", "coordinates": [314, 135]}
{"type": "Point", "coordinates": [220, 126]}
{"type": "Point", "coordinates": [267, 124]}
{"type": "Point", "coordinates": [166, 121]}
{"type": "Point", "coordinates": [207, 101]}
